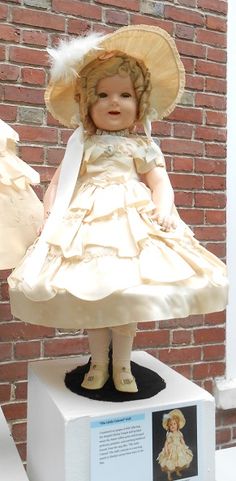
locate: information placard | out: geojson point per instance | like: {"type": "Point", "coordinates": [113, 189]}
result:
{"type": "Point", "coordinates": [121, 447]}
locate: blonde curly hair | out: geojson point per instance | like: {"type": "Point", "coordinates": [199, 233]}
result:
{"type": "Point", "coordinates": [109, 65]}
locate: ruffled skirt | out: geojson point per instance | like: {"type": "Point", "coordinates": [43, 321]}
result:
{"type": "Point", "coordinates": [109, 264]}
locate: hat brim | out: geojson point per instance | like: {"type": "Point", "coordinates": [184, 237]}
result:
{"type": "Point", "coordinates": [174, 413]}
{"type": "Point", "coordinates": [148, 44]}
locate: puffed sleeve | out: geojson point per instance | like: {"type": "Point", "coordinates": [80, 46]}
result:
{"type": "Point", "coordinates": [147, 156]}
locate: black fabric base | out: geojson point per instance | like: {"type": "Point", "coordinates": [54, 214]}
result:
{"type": "Point", "coordinates": [149, 384]}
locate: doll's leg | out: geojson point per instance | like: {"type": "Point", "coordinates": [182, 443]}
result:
{"type": "Point", "coordinates": [122, 341]}
{"type": "Point", "coordinates": [99, 341]}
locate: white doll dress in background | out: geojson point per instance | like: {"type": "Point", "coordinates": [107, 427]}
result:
{"type": "Point", "coordinates": [21, 212]}
{"type": "Point", "coordinates": [108, 263]}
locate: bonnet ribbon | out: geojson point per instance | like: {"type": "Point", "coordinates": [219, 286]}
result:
{"type": "Point", "coordinates": [70, 168]}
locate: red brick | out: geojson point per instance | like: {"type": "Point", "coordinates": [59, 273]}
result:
{"type": "Point", "coordinates": [210, 134]}
{"type": "Point", "coordinates": [184, 15]}
{"type": "Point", "coordinates": [77, 8]}
{"type": "Point", "coordinates": [188, 115]}
{"type": "Point", "coordinates": [216, 118]}
{"type": "Point", "coordinates": [213, 233]}
{"type": "Point", "coordinates": [22, 449]}
{"type": "Point", "coordinates": [13, 371]}
{"type": "Point", "coordinates": [5, 393]}
{"type": "Point", "coordinates": [30, 154]}
{"type": "Point", "coordinates": [19, 431]}
{"type": "Point", "coordinates": [35, 37]}
{"type": "Point", "coordinates": [214, 182]}
{"type": "Point", "coordinates": [191, 49]}
{"type": "Point", "coordinates": [46, 173]}
{"type": "Point", "coordinates": [209, 335]}
{"type": "Point", "coordinates": [27, 350]}
{"type": "Point", "coordinates": [189, 354]}
{"type": "Point", "coordinates": [184, 369]}
{"type": "Point", "coordinates": [182, 146]}
{"type": "Point", "coordinates": [216, 352]}
{"type": "Point", "coordinates": [2, 52]}
{"type": "Point", "coordinates": [189, 65]}
{"type": "Point", "coordinates": [9, 33]}
{"type": "Point", "coordinates": [210, 200]}
{"type": "Point", "coordinates": [77, 26]}
{"type": "Point", "coordinates": [35, 18]}
{"type": "Point", "coordinates": [184, 199]}
{"type": "Point", "coordinates": [184, 31]}
{"type": "Point", "coordinates": [213, 101]}
{"type": "Point", "coordinates": [210, 68]}
{"type": "Point", "coordinates": [132, 4]}
{"type": "Point", "coordinates": [204, 370]}
{"type": "Point", "coordinates": [30, 56]}
{"type": "Point", "coordinates": [183, 130]}
{"type": "Point", "coordinates": [215, 318]}
{"type": "Point", "coordinates": [34, 76]}
{"type": "Point", "coordinates": [4, 274]}
{"type": "Point", "coordinates": [210, 166]}
{"type": "Point", "coordinates": [36, 134]}
{"type": "Point", "coordinates": [216, 23]}
{"type": "Point", "coordinates": [217, 55]}
{"type": "Point", "coordinates": [146, 325]}
{"type": "Point", "coordinates": [215, 150]}
{"type": "Point", "coordinates": [229, 417]}
{"type": "Point", "coordinates": [211, 38]}
{"type": "Point", "coordinates": [192, 216]}
{"type": "Point", "coordinates": [216, 85]}
{"type": "Point", "coordinates": [3, 12]}
{"type": "Point", "coordinates": [161, 128]}
{"type": "Point", "coordinates": [8, 112]}
{"type": "Point", "coordinates": [5, 351]}
{"type": "Point", "coordinates": [4, 292]}
{"type": "Point", "coordinates": [223, 435]}
{"type": "Point", "coordinates": [21, 390]}
{"type": "Point", "coordinates": [186, 181]}
{"type": "Point", "coordinates": [55, 155]}
{"type": "Point", "coordinates": [15, 331]}
{"type": "Point", "coordinates": [5, 312]}
{"type": "Point", "coordinates": [195, 82]}
{"type": "Point", "coordinates": [181, 337]}
{"type": "Point", "coordinates": [9, 72]}
{"type": "Point", "coordinates": [15, 410]}
{"type": "Point", "coordinates": [218, 249]}
{"type": "Point", "coordinates": [219, 6]}
{"type": "Point", "coordinates": [183, 164]}
{"type": "Point", "coordinates": [215, 217]}
{"type": "Point", "coordinates": [116, 17]}
{"type": "Point", "coordinates": [62, 347]}
{"type": "Point", "coordinates": [151, 339]}
{"type": "Point", "coordinates": [24, 95]}
{"type": "Point", "coordinates": [137, 19]}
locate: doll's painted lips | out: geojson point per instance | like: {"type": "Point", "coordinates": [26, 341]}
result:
{"type": "Point", "coordinates": [113, 112]}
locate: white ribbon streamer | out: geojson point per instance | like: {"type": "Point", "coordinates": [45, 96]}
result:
{"type": "Point", "coordinates": [70, 168]}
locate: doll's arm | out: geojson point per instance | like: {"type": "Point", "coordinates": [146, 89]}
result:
{"type": "Point", "coordinates": [163, 197]}
{"type": "Point", "coordinates": [50, 194]}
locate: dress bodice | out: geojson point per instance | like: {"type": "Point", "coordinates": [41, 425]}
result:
{"type": "Point", "coordinates": [111, 158]}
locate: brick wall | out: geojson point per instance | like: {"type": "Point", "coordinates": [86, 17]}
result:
{"type": "Point", "coordinates": [192, 139]}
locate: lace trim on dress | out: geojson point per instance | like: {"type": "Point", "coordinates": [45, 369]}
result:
{"type": "Point", "coordinates": [121, 133]}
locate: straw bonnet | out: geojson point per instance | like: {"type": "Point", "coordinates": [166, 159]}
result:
{"type": "Point", "coordinates": [150, 45]}
{"type": "Point", "coordinates": [175, 413]}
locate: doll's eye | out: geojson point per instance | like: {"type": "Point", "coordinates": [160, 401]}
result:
{"type": "Point", "coordinates": [102, 95]}
{"type": "Point", "coordinates": [126, 94]}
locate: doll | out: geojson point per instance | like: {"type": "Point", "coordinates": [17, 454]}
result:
{"type": "Point", "coordinates": [113, 250]}
{"type": "Point", "coordinates": [175, 455]}
{"type": "Point", "coordinates": [21, 210]}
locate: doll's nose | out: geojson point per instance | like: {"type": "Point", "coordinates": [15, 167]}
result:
{"type": "Point", "coordinates": [115, 99]}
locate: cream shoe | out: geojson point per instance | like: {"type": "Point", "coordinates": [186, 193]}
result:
{"type": "Point", "coordinates": [124, 380]}
{"type": "Point", "coordinates": [97, 376]}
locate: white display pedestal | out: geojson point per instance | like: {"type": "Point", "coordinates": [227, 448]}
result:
{"type": "Point", "coordinates": [67, 431]}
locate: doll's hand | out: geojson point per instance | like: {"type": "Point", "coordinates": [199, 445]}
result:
{"type": "Point", "coordinates": [167, 222]}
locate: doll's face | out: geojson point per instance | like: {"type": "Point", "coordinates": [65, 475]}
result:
{"type": "Point", "coordinates": [116, 107]}
{"type": "Point", "coordinates": [173, 425]}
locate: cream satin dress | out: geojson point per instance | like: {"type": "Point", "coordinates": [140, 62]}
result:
{"type": "Point", "coordinates": [109, 264]}
{"type": "Point", "coordinates": [21, 212]}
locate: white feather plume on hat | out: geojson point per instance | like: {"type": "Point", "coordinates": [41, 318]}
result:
{"type": "Point", "coordinates": [69, 53]}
